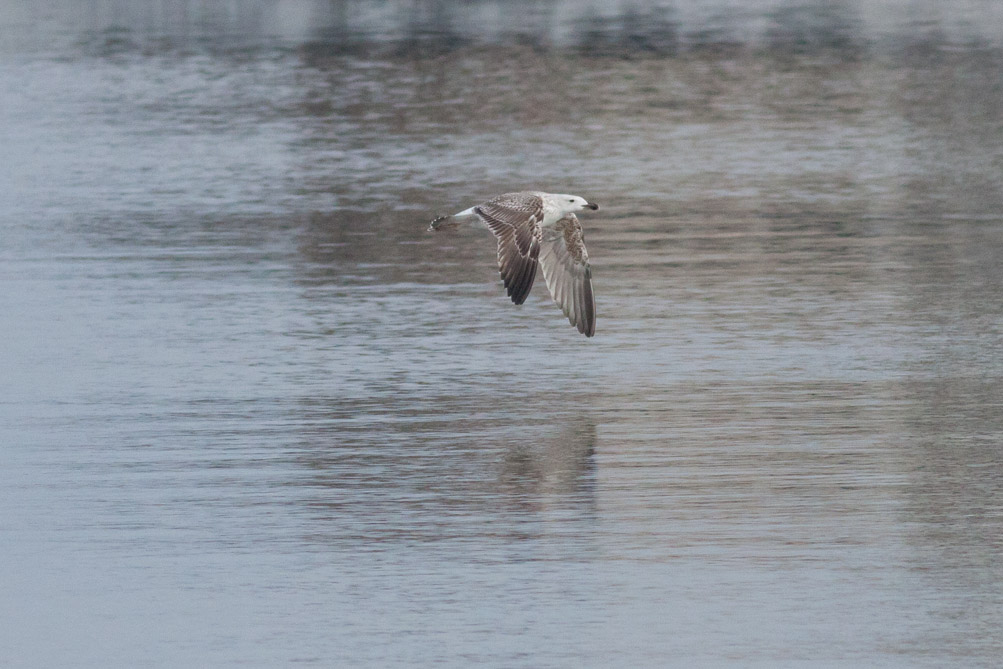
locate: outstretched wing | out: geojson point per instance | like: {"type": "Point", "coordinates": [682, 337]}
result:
{"type": "Point", "coordinates": [515, 218]}
{"type": "Point", "coordinates": [568, 274]}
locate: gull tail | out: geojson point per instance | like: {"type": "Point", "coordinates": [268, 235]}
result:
{"type": "Point", "coordinates": [439, 223]}
{"type": "Point", "coordinates": [444, 222]}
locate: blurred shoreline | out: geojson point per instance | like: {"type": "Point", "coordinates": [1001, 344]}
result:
{"type": "Point", "coordinates": [843, 29]}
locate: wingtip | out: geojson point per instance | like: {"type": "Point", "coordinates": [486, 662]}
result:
{"type": "Point", "coordinates": [519, 283]}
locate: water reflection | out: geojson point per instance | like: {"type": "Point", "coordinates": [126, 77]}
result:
{"type": "Point", "coordinates": [453, 478]}
{"type": "Point", "coordinates": [545, 469]}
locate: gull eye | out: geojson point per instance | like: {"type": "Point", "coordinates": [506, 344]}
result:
{"type": "Point", "coordinates": [572, 201]}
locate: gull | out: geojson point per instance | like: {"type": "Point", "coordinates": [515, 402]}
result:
{"type": "Point", "coordinates": [541, 230]}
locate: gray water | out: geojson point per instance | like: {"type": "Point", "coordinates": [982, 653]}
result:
{"type": "Point", "coordinates": [253, 414]}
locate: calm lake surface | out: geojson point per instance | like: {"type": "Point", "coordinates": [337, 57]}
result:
{"type": "Point", "coordinates": [253, 414]}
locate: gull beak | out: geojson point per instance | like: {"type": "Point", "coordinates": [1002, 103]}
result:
{"type": "Point", "coordinates": [593, 206]}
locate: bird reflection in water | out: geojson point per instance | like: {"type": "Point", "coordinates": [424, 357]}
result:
{"type": "Point", "coordinates": [558, 470]}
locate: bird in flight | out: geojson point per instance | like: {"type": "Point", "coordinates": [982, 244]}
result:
{"type": "Point", "coordinates": [540, 230]}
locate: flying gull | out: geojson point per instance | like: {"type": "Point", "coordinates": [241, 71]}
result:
{"type": "Point", "coordinates": [541, 229]}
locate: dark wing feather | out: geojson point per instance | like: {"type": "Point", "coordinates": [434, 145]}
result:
{"type": "Point", "coordinates": [566, 269]}
{"type": "Point", "coordinates": [514, 218]}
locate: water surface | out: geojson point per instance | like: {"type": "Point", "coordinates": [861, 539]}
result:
{"type": "Point", "coordinates": [253, 414]}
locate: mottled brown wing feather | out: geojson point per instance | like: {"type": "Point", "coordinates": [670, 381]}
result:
{"type": "Point", "coordinates": [565, 263]}
{"type": "Point", "coordinates": [514, 218]}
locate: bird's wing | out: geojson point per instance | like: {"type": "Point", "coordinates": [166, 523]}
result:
{"type": "Point", "coordinates": [515, 218]}
{"type": "Point", "coordinates": [566, 269]}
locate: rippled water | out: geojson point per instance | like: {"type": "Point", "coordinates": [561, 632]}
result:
{"type": "Point", "coordinates": [253, 414]}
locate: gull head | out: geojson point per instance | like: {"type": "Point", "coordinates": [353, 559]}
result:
{"type": "Point", "coordinates": [573, 203]}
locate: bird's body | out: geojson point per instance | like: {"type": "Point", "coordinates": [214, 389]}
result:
{"type": "Point", "coordinates": [534, 230]}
